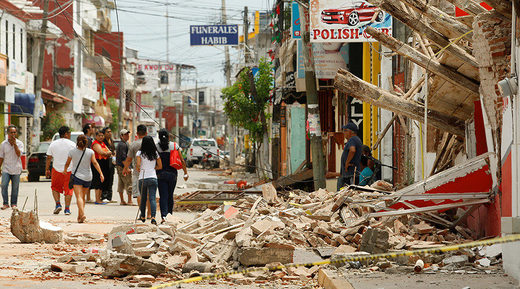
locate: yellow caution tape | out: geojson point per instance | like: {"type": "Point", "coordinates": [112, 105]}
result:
{"type": "Point", "coordinates": [444, 249]}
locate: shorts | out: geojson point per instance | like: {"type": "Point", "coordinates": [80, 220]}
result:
{"type": "Point", "coordinates": [135, 187]}
{"type": "Point", "coordinates": [124, 183]}
{"type": "Point", "coordinates": [80, 182]}
{"type": "Point", "coordinates": [60, 182]}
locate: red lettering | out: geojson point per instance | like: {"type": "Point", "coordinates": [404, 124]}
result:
{"type": "Point", "coordinates": [325, 34]}
{"type": "Point", "coordinates": [386, 31]}
{"type": "Point", "coordinates": [345, 34]}
{"type": "Point", "coordinates": [354, 33]}
{"type": "Point", "coordinates": [316, 33]}
{"type": "Point", "coordinates": [332, 34]}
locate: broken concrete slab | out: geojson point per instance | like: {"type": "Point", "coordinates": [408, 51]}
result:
{"type": "Point", "coordinates": [27, 228]}
{"type": "Point", "coordinates": [375, 241]}
{"type": "Point", "coordinates": [197, 266]}
{"type": "Point", "coordinates": [141, 278]}
{"type": "Point", "coordinates": [456, 260]}
{"type": "Point", "coordinates": [263, 256]}
{"type": "Point", "coordinates": [83, 238]}
{"type": "Point", "coordinates": [120, 265]}
{"type": "Point", "coordinates": [328, 280]}
{"type": "Point", "coordinates": [492, 251]}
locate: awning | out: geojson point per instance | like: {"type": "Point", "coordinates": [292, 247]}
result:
{"type": "Point", "coordinates": [53, 96]}
{"type": "Point", "coordinates": [23, 104]}
{"type": "Point", "coordinates": [94, 119]}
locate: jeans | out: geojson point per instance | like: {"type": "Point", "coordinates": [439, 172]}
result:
{"type": "Point", "coordinates": [148, 188]}
{"type": "Point", "coordinates": [15, 184]}
{"type": "Point", "coordinates": [167, 182]}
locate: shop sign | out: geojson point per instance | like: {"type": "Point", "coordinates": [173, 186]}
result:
{"type": "Point", "coordinates": [213, 35]}
{"type": "Point", "coordinates": [328, 58]}
{"type": "Point", "coordinates": [346, 21]}
{"type": "Point", "coordinates": [3, 70]}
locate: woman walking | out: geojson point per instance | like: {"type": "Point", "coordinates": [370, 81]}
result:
{"type": "Point", "coordinates": [167, 176]}
{"type": "Point", "coordinates": [82, 157]}
{"type": "Point", "coordinates": [147, 162]}
{"type": "Point", "coordinates": [103, 157]}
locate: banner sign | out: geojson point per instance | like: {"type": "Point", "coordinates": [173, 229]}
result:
{"type": "Point", "coordinates": [346, 20]}
{"type": "Point", "coordinates": [213, 35]}
{"type": "Point", "coordinates": [296, 23]}
{"type": "Point", "coordinates": [328, 58]}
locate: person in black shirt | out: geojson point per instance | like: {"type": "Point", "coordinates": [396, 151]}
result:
{"type": "Point", "coordinates": [351, 157]}
{"type": "Point", "coordinates": [167, 175]}
{"type": "Point", "coordinates": [109, 175]}
{"type": "Point", "coordinates": [124, 182]}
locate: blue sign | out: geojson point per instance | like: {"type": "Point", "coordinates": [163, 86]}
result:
{"type": "Point", "coordinates": [296, 23]}
{"type": "Point", "coordinates": [213, 35]}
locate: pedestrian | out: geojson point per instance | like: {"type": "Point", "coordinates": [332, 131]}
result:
{"type": "Point", "coordinates": [11, 163]}
{"type": "Point", "coordinates": [167, 176]}
{"type": "Point", "coordinates": [103, 156]}
{"type": "Point", "coordinates": [106, 195]}
{"type": "Point", "coordinates": [82, 158]}
{"type": "Point", "coordinates": [124, 182]}
{"type": "Point", "coordinates": [350, 157]}
{"type": "Point", "coordinates": [147, 161]}
{"type": "Point", "coordinates": [135, 146]}
{"type": "Point", "coordinates": [89, 132]}
{"type": "Point", "coordinates": [366, 173]}
{"type": "Point", "coordinates": [58, 152]}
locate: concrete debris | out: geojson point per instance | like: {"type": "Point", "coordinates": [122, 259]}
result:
{"type": "Point", "coordinates": [83, 238]}
{"type": "Point", "coordinates": [27, 227]}
{"type": "Point", "coordinates": [298, 227]}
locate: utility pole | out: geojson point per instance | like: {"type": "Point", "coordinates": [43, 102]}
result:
{"type": "Point", "coordinates": [122, 94]}
{"type": "Point", "coordinates": [313, 110]}
{"type": "Point", "coordinates": [227, 71]}
{"type": "Point", "coordinates": [246, 36]}
{"type": "Point", "coordinates": [39, 79]}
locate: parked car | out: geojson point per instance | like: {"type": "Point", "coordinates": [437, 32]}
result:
{"type": "Point", "coordinates": [36, 163]}
{"type": "Point", "coordinates": [352, 14]}
{"type": "Point", "coordinates": [200, 146]}
{"type": "Point", "coordinates": [73, 136]}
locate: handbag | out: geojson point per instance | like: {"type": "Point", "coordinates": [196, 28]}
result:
{"type": "Point", "coordinates": [175, 158]}
{"type": "Point", "coordinates": [71, 184]}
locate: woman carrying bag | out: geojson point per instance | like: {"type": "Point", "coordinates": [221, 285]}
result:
{"type": "Point", "coordinates": [81, 178]}
{"type": "Point", "coordinates": [171, 157]}
{"type": "Point", "coordinates": [147, 161]}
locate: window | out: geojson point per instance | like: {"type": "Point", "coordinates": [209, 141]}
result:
{"type": "Point", "coordinates": [21, 44]}
{"type": "Point", "coordinates": [14, 41]}
{"type": "Point", "coordinates": [6, 37]}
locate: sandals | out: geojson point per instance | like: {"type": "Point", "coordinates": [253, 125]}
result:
{"type": "Point", "coordinates": [154, 222]}
{"type": "Point", "coordinates": [82, 219]}
{"type": "Point", "coordinates": [142, 219]}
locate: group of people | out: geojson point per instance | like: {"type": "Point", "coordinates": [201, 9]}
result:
{"type": "Point", "coordinates": [142, 167]}
{"type": "Point", "coordinates": [357, 163]}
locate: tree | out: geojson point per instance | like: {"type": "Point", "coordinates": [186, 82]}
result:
{"type": "Point", "coordinates": [246, 100]}
{"type": "Point", "coordinates": [50, 125]}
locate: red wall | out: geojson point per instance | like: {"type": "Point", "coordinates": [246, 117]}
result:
{"type": "Point", "coordinates": [170, 118]}
{"type": "Point", "coordinates": [111, 43]}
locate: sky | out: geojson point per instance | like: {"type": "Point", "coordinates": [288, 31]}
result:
{"type": "Point", "coordinates": [143, 24]}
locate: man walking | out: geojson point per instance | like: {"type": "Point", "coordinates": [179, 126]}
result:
{"type": "Point", "coordinates": [130, 160]}
{"type": "Point", "coordinates": [11, 164]}
{"type": "Point", "coordinates": [124, 181]}
{"type": "Point", "coordinates": [351, 157]}
{"type": "Point", "coordinates": [58, 153]}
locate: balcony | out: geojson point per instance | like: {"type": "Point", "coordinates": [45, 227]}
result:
{"type": "Point", "coordinates": [98, 64]}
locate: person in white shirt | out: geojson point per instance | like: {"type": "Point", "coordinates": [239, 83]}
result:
{"type": "Point", "coordinates": [147, 161]}
{"type": "Point", "coordinates": [58, 153]}
{"type": "Point", "coordinates": [11, 163]}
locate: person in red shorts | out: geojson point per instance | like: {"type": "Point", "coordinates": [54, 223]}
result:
{"type": "Point", "coordinates": [58, 153]}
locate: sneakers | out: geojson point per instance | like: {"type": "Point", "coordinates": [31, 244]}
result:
{"type": "Point", "coordinates": [57, 210]}
{"type": "Point", "coordinates": [67, 211]}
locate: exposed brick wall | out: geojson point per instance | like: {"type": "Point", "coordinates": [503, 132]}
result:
{"type": "Point", "coordinates": [492, 49]}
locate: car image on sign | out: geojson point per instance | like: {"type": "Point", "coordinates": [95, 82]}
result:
{"type": "Point", "coordinates": [353, 14]}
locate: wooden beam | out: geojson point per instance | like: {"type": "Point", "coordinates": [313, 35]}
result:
{"type": "Point", "coordinates": [468, 6]}
{"type": "Point", "coordinates": [443, 71]}
{"type": "Point", "coordinates": [362, 90]}
{"type": "Point", "coordinates": [503, 7]}
{"type": "Point", "coordinates": [424, 29]}
{"type": "Point", "coordinates": [440, 18]}
{"type": "Point", "coordinates": [426, 209]}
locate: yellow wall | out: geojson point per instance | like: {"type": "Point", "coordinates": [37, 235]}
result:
{"type": "Point", "coordinates": [371, 70]}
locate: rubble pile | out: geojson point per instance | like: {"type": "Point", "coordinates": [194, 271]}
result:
{"type": "Point", "coordinates": [270, 230]}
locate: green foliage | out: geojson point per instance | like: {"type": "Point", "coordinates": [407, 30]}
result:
{"type": "Point", "coordinates": [50, 125]}
{"type": "Point", "coordinates": [114, 108]}
{"type": "Point", "coordinates": [244, 110]}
